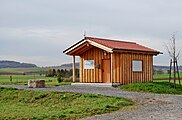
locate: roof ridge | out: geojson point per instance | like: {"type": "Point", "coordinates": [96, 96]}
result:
{"type": "Point", "coordinates": [109, 39]}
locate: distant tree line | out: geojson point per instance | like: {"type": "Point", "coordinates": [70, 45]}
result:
{"type": "Point", "coordinates": [160, 71]}
{"type": "Point", "coordinates": [14, 64]}
{"type": "Point", "coordinates": [62, 73]}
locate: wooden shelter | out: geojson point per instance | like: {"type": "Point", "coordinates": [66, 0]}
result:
{"type": "Point", "coordinates": [112, 61]}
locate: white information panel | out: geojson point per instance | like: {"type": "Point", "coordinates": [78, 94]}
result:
{"type": "Point", "coordinates": [137, 66]}
{"type": "Point", "coordinates": [88, 64]}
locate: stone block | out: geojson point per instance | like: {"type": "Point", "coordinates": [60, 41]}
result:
{"type": "Point", "coordinates": [36, 83]}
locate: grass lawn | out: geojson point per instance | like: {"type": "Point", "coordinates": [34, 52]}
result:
{"type": "Point", "coordinates": [153, 87]}
{"type": "Point", "coordinates": [164, 75]}
{"type": "Point", "coordinates": [24, 104]}
{"type": "Point", "coordinates": [156, 76]}
{"type": "Point", "coordinates": [23, 80]}
{"type": "Point", "coordinates": [22, 70]}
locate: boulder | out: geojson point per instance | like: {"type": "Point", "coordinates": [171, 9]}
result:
{"type": "Point", "coordinates": [36, 83]}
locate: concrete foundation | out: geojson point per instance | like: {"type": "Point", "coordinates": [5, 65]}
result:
{"type": "Point", "coordinates": [97, 84]}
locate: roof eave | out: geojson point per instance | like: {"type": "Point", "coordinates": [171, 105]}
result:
{"type": "Point", "coordinates": [100, 46]}
{"type": "Point", "coordinates": [152, 52]}
{"type": "Point", "coordinates": [76, 45]}
{"type": "Point", "coordinates": [67, 51]}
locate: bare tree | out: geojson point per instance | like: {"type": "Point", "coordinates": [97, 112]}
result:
{"type": "Point", "coordinates": [174, 54]}
{"type": "Point", "coordinates": [171, 47]}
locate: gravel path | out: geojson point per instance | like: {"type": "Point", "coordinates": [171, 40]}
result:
{"type": "Point", "coordinates": [147, 107]}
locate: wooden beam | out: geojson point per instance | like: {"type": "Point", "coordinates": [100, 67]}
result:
{"type": "Point", "coordinates": [111, 68]}
{"type": "Point", "coordinates": [81, 69]}
{"type": "Point", "coordinates": [100, 46]}
{"type": "Point", "coordinates": [82, 50]}
{"type": "Point", "coordinates": [74, 70]}
{"type": "Point", "coordinates": [135, 52]}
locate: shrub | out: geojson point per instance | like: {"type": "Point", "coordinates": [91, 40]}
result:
{"type": "Point", "coordinates": [71, 78]}
{"type": "Point", "coordinates": [60, 79]}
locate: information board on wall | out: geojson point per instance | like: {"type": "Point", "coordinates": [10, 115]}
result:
{"type": "Point", "coordinates": [88, 64]}
{"type": "Point", "coordinates": [137, 66]}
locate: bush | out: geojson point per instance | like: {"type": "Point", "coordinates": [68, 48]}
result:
{"type": "Point", "coordinates": [71, 78]}
{"type": "Point", "coordinates": [67, 80]}
{"type": "Point", "coordinates": [60, 79]}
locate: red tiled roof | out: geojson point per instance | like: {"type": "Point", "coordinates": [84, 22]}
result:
{"type": "Point", "coordinates": [116, 44]}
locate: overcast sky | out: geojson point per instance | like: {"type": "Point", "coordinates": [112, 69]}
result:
{"type": "Point", "coordinates": [37, 31]}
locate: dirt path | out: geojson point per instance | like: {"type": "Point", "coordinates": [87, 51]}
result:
{"type": "Point", "coordinates": [147, 107]}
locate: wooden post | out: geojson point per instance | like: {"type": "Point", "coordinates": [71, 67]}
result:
{"type": "Point", "coordinates": [81, 69]}
{"type": "Point", "coordinates": [170, 72]}
{"type": "Point", "coordinates": [174, 63]}
{"type": "Point", "coordinates": [178, 72]}
{"type": "Point", "coordinates": [111, 68]}
{"type": "Point", "coordinates": [74, 70]}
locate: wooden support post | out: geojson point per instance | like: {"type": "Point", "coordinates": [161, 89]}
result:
{"type": "Point", "coordinates": [174, 63]}
{"type": "Point", "coordinates": [178, 72]}
{"type": "Point", "coordinates": [111, 68]}
{"type": "Point", "coordinates": [81, 69]}
{"type": "Point", "coordinates": [170, 72]}
{"type": "Point", "coordinates": [74, 70]}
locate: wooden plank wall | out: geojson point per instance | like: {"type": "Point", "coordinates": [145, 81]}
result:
{"type": "Point", "coordinates": [92, 75]}
{"type": "Point", "coordinates": [122, 68]}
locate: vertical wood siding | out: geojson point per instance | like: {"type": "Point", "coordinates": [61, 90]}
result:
{"type": "Point", "coordinates": [92, 75]}
{"type": "Point", "coordinates": [122, 67]}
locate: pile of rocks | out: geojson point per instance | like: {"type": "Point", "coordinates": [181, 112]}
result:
{"type": "Point", "coordinates": [36, 83]}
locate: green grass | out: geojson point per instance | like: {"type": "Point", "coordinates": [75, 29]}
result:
{"type": "Point", "coordinates": [24, 104]}
{"type": "Point", "coordinates": [153, 87]}
{"type": "Point", "coordinates": [23, 80]}
{"type": "Point", "coordinates": [163, 75]}
{"type": "Point", "coordinates": [22, 70]}
{"type": "Point", "coordinates": [156, 76]}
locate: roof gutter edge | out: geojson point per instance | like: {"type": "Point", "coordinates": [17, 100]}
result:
{"type": "Point", "coordinates": [157, 52]}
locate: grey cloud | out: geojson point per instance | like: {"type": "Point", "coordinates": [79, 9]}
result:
{"type": "Point", "coordinates": [46, 27]}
